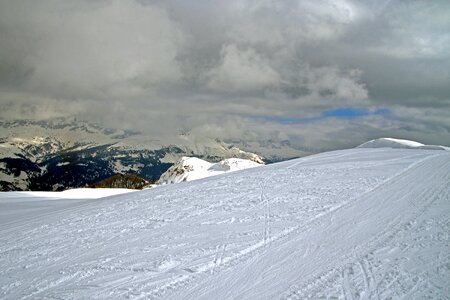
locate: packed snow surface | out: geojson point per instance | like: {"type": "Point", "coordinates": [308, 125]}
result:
{"type": "Point", "coordinates": [86, 193]}
{"type": "Point", "coordinates": [192, 168]}
{"type": "Point", "coordinates": [352, 224]}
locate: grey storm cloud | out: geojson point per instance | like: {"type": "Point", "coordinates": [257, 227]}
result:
{"type": "Point", "coordinates": [227, 68]}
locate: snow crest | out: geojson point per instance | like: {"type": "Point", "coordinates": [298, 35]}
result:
{"type": "Point", "coordinates": [399, 144]}
{"type": "Point", "coordinates": [192, 168]}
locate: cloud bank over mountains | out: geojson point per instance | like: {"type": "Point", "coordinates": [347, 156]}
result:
{"type": "Point", "coordinates": [233, 69]}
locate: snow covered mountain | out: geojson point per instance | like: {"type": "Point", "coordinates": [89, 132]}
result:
{"type": "Point", "coordinates": [274, 150]}
{"type": "Point", "coordinates": [366, 223]}
{"type": "Point", "coordinates": [191, 168]}
{"type": "Point", "coordinates": [62, 153]}
{"type": "Point", "coordinates": [399, 144]}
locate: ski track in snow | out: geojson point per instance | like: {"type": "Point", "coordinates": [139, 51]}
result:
{"type": "Point", "coordinates": [350, 224]}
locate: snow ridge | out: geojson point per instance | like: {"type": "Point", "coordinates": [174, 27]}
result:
{"type": "Point", "coordinates": [399, 144]}
{"type": "Point", "coordinates": [192, 168]}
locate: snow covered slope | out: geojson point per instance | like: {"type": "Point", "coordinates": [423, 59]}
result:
{"type": "Point", "coordinates": [398, 143]}
{"type": "Point", "coordinates": [191, 168]}
{"type": "Point", "coordinates": [82, 193]}
{"type": "Point", "coordinates": [352, 224]}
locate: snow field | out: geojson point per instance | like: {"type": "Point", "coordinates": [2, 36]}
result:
{"type": "Point", "coordinates": [351, 224]}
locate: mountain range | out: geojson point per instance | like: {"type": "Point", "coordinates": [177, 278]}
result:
{"type": "Point", "coordinates": [66, 153]}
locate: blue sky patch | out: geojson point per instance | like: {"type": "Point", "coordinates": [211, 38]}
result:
{"type": "Point", "coordinates": [339, 113]}
{"type": "Point", "coordinates": [350, 112]}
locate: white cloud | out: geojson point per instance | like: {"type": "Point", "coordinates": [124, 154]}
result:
{"type": "Point", "coordinates": [329, 81]}
{"type": "Point", "coordinates": [242, 70]}
{"type": "Point", "coordinates": [111, 49]}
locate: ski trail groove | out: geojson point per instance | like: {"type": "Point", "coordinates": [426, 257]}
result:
{"type": "Point", "coordinates": [265, 200]}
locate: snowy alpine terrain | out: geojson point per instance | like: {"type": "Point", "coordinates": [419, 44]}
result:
{"type": "Point", "coordinates": [192, 168]}
{"type": "Point", "coordinates": [65, 152]}
{"type": "Point", "coordinates": [366, 223]}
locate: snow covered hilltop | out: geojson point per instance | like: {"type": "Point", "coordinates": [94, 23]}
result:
{"type": "Point", "coordinates": [365, 223]}
{"type": "Point", "coordinates": [400, 144]}
{"type": "Point", "coordinates": [191, 168]}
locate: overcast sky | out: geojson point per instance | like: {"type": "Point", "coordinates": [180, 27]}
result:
{"type": "Point", "coordinates": [322, 74]}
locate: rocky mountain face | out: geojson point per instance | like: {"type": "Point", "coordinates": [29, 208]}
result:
{"type": "Point", "coordinates": [66, 153]}
{"type": "Point", "coordinates": [273, 150]}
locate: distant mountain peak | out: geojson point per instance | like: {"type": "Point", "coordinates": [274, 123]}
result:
{"type": "Point", "coordinates": [192, 168]}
